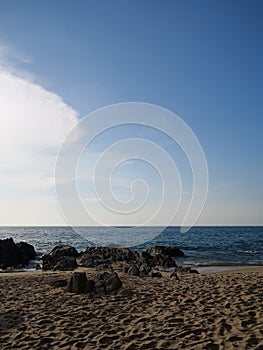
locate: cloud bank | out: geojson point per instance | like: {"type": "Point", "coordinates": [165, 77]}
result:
{"type": "Point", "coordinates": [33, 124]}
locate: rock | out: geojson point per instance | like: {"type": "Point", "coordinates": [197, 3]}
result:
{"type": "Point", "coordinates": [104, 267]}
{"type": "Point", "coordinates": [61, 257]}
{"type": "Point", "coordinates": [144, 269]}
{"type": "Point", "coordinates": [163, 261]}
{"type": "Point", "coordinates": [63, 250]}
{"type": "Point", "coordinates": [26, 251]}
{"type": "Point", "coordinates": [8, 253]}
{"type": "Point", "coordinates": [172, 251]}
{"type": "Point", "coordinates": [146, 257]}
{"type": "Point", "coordinates": [15, 255]}
{"type": "Point", "coordinates": [101, 283]}
{"type": "Point", "coordinates": [65, 263]}
{"type": "Point", "coordinates": [77, 283]}
{"type": "Point", "coordinates": [107, 282]}
{"type": "Point", "coordinates": [94, 256]}
{"type": "Point", "coordinates": [134, 271]}
{"type": "Point", "coordinates": [156, 274]}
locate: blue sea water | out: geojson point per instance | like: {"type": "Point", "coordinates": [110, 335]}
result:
{"type": "Point", "coordinates": [203, 246]}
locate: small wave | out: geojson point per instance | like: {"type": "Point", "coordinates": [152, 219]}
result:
{"type": "Point", "coordinates": [247, 251]}
{"type": "Point", "coordinates": [201, 264]}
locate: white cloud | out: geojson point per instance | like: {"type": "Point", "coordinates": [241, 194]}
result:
{"type": "Point", "coordinates": [33, 124]}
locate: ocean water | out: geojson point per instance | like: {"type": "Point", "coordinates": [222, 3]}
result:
{"type": "Point", "coordinates": [203, 246]}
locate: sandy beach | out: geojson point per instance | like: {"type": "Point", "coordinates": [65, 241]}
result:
{"type": "Point", "coordinates": [211, 311]}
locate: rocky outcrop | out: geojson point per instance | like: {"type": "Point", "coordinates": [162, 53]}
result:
{"type": "Point", "coordinates": [163, 260]}
{"type": "Point", "coordinates": [27, 252]}
{"type": "Point", "coordinates": [61, 257]}
{"type": "Point", "coordinates": [172, 251]}
{"type": "Point", "coordinates": [107, 282]}
{"type": "Point", "coordinates": [134, 271]}
{"type": "Point", "coordinates": [101, 283]}
{"type": "Point", "coordinates": [15, 254]}
{"type": "Point", "coordinates": [94, 256]}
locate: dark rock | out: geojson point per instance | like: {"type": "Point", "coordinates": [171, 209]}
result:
{"type": "Point", "coordinates": [172, 251]}
{"type": "Point", "coordinates": [194, 271]}
{"type": "Point", "coordinates": [156, 274]}
{"type": "Point", "coordinates": [146, 257]}
{"type": "Point", "coordinates": [90, 286]}
{"type": "Point", "coordinates": [77, 283]}
{"type": "Point", "coordinates": [15, 255]}
{"type": "Point", "coordinates": [104, 266]}
{"type": "Point", "coordinates": [102, 283]}
{"type": "Point", "coordinates": [65, 263]}
{"type": "Point", "coordinates": [94, 256]}
{"type": "Point", "coordinates": [87, 261]}
{"type": "Point", "coordinates": [8, 253]}
{"type": "Point", "coordinates": [123, 268]}
{"type": "Point", "coordinates": [63, 250]}
{"type": "Point", "coordinates": [61, 257]}
{"type": "Point", "coordinates": [145, 269]}
{"type": "Point", "coordinates": [134, 271]}
{"type": "Point", "coordinates": [163, 261]}
{"type": "Point", "coordinates": [107, 282]}
{"type": "Point", "coordinates": [26, 251]}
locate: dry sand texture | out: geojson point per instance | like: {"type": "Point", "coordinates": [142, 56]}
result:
{"type": "Point", "coordinates": [214, 311]}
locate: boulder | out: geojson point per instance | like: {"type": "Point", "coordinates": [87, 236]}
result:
{"type": "Point", "coordinates": [172, 251]}
{"type": "Point", "coordinates": [77, 283]}
{"type": "Point", "coordinates": [15, 255]}
{"type": "Point", "coordinates": [101, 283]}
{"type": "Point", "coordinates": [64, 263]}
{"type": "Point", "coordinates": [104, 267]}
{"type": "Point", "coordinates": [63, 250]}
{"type": "Point", "coordinates": [94, 256]}
{"type": "Point", "coordinates": [107, 282]}
{"type": "Point", "coordinates": [147, 258]}
{"type": "Point", "coordinates": [134, 271]}
{"type": "Point", "coordinates": [163, 261]}
{"type": "Point", "coordinates": [61, 257]}
{"type": "Point", "coordinates": [145, 269]}
{"type": "Point", "coordinates": [8, 253]}
{"type": "Point", "coordinates": [26, 251]}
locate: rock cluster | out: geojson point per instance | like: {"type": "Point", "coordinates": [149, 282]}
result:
{"type": "Point", "coordinates": [96, 256]}
{"type": "Point", "coordinates": [102, 283]}
{"type": "Point", "coordinates": [65, 257]}
{"type": "Point", "coordinates": [102, 258]}
{"type": "Point", "coordinates": [15, 254]}
{"type": "Point", "coordinates": [172, 251]}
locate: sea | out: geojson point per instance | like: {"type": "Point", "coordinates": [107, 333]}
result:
{"type": "Point", "coordinates": [204, 247]}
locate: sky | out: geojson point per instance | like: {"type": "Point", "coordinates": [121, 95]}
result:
{"type": "Point", "coordinates": [60, 61]}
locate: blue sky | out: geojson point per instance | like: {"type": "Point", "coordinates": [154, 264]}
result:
{"type": "Point", "coordinates": [200, 59]}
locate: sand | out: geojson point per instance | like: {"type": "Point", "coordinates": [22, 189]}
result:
{"type": "Point", "coordinates": [212, 311]}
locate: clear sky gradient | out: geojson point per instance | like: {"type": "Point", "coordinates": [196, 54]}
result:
{"type": "Point", "coordinates": [60, 60]}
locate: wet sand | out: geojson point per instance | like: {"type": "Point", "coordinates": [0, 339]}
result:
{"type": "Point", "coordinates": [211, 311]}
